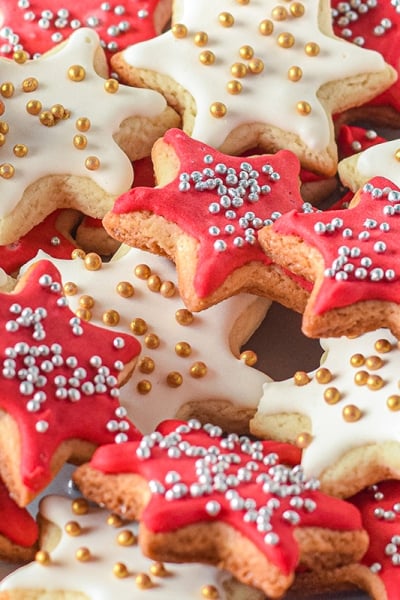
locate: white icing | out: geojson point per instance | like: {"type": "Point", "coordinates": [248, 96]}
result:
{"type": "Point", "coordinates": [227, 378]}
{"type": "Point", "coordinates": [268, 97]}
{"type": "Point", "coordinates": [380, 161]}
{"type": "Point", "coordinates": [332, 436]}
{"type": "Point", "coordinates": [95, 577]}
{"type": "Point", "coordinates": [51, 149]}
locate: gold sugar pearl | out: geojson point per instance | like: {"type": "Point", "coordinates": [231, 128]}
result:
{"type": "Point", "coordinates": [357, 360]}
{"type": "Point", "coordinates": [84, 313]}
{"type": "Point", "coordinates": [210, 592]}
{"type": "Point", "coordinates": [373, 362]}
{"type": "Point", "coordinates": [303, 440]}
{"type": "Point", "coordinates": [6, 171]}
{"type": "Point", "coordinates": [256, 66]}
{"type": "Point", "coordinates": [20, 57]}
{"type": "Point", "coordinates": [42, 557]}
{"type": "Point", "coordinates": [331, 395]}
{"type": "Point", "coordinates": [351, 413]}
{"type": "Point", "coordinates": [323, 375]}
{"type": "Point", "coordinates": [111, 86]}
{"type": "Point", "coordinates": [179, 30]}
{"type": "Point", "coordinates": [246, 52]}
{"type": "Point", "coordinates": [303, 108]}
{"type": "Point", "coordinates": [198, 370]}
{"type": "Point", "coordinates": [201, 38]}
{"type": "Point", "coordinates": [2, 139]}
{"type": "Point", "coordinates": [20, 150]}
{"type": "Point", "coordinates": [82, 124]}
{"type": "Point", "coordinates": [125, 289]}
{"type": "Point", "coordinates": [126, 538]}
{"type": "Point", "coordinates": [143, 386]}
{"type": "Point", "coordinates": [234, 87]}
{"type": "Point", "coordinates": [393, 402]}
{"type": "Point", "coordinates": [80, 506]}
{"type": "Point", "coordinates": [73, 528]}
{"type": "Point", "coordinates": [375, 382]}
{"type": "Point", "coordinates": [383, 346]}
{"type": "Point", "coordinates": [83, 554]}
{"type": "Point", "coordinates": [86, 301]}
{"type": "Point", "coordinates": [142, 271]}
{"type": "Point", "coordinates": [218, 110]}
{"type": "Point", "coordinates": [266, 27]}
{"type": "Point", "coordinates": [295, 73]}
{"type": "Point", "coordinates": [76, 73]}
{"type": "Point", "coordinates": [33, 107]}
{"type": "Point", "coordinates": [279, 13]}
{"type": "Point", "coordinates": [138, 326]}
{"type": "Point", "coordinates": [207, 58]}
{"type": "Point", "coordinates": [238, 69]}
{"type": "Point", "coordinates": [154, 283]}
{"type": "Point", "coordinates": [286, 40]}
{"type": "Point", "coordinates": [301, 378]}
{"type": "Point", "coordinates": [7, 89]}
{"type": "Point", "coordinates": [184, 317]}
{"type": "Point", "coordinates": [226, 19]}
{"type": "Point", "coordinates": [158, 569]}
{"type": "Point", "coordinates": [93, 261]}
{"type": "Point", "coordinates": [78, 253]}
{"type": "Point", "coordinates": [152, 341]}
{"type": "Point", "coordinates": [397, 155]}
{"type": "Point", "coordinates": [30, 84]}
{"type": "Point", "coordinates": [174, 379]}
{"type": "Point", "coordinates": [249, 357]}
{"type": "Point", "coordinates": [47, 118]}
{"type": "Point", "coordinates": [114, 520]}
{"type": "Point", "coordinates": [311, 49]}
{"type": "Point", "coordinates": [146, 365]}
{"type": "Point", "coordinates": [59, 112]}
{"type": "Point", "coordinates": [4, 127]}
{"type": "Point", "coordinates": [361, 377]}
{"type": "Point", "coordinates": [297, 9]}
{"type": "Point", "coordinates": [167, 289]}
{"type": "Point", "coordinates": [183, 349]}
{"type": "Point", "coordinates": [243, 2]}
{"type": "Point", "coordinates": [120, 570]}
{"type": "Point", "coordinates": [92, 163]}
{"type": "Point", "coordinates": [70, 288]}
{"type": "Point", "coordinates": [111, 317]}
{"type": "Point", "coordinates": [79, 141]}
{"type": "Point", "coordinates": [143, 581]}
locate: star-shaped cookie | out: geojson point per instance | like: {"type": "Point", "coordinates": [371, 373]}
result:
{"type": "Point", "coordinates": [350, 255]}
{"type": "Point", "coordinates": [205, 215]}
{"type": "Point", "coordinates": [203, 495]}
{"type": "Point", "coordinates": [114, 566]}
{"type": "Point", "coordinates": [59, 147]}
{"type": "Point", "coordinates": [19, 531]}
{"type": "Point", "coordinates": [190, 364]}
{"type": "Point", "coordinates": [59, 383]}
{"type": "Point", "coordinates": [247, 74]}
{"type": "Point", "coordinates": [344, 413]}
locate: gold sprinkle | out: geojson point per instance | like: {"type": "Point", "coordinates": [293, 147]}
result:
{"type": "Point", "coordinates": [78, 253]}
{"type": "Point", "coordinates": [86, 301]}
{"type": "Point", "coordinates": [80, 141]}
{"type": "Point", "coordinates": [351, 413]}
{"type": "Point", "coordinates": [76, 73]}
{"type": "Point", "coordinates": [303, 440]}
{"type": "Point", "coordinates": [303, 108]}
{"type": "Point", "coordinates": [375, 382]}
{"type": "Point", "coordinates": [397, 155]}
{"type": "Point", "coordinates": [243, 2]}
{"type": "Point", "coordinates": [143, 386]}
{"type": "Point", "coordinates": [374, 362]}
{"type": "Point", "coordinates": [142, 271]}
{"type": "Point", "coordinates": [201, 38]}
{"type": "Point", "coordinates": [33, 107]}
{"type": "Point", "coordinates": [92, 163]}
{"type": "Point", "coordinates": [167, 289]}
{"type": "Point", "coordinates": [174, 379]}
{"type": "Point", "coordinates": [154, 283]}
{"type": "Point", "coordinates": [20, 150]}
{"type": "Point", "coordinates": [311, 49]}
{"type": "Point", "coordinates": [80, 506]}
{"type": "Point", "coordinates": [179, 30]}
{"type": "Point", "coordinates": [266, 27]}
{"type": "Point", "coordinates": [234, 87]}
{"type": "Point", "coordinates": [125, 289]}
{"type": "Point", "coordinates": [152, 341]}
{"type": "Point", "coordinates": [143, 581]}
{"type": "Point", "coordinates": [183, 349]}
{"type": "Point", "coordinates": [184, 317]}
{"type": "Point", "coordinates": [218, 110]}
{"type": "Point", "coordinates": [59, 112]}
{"type": "Point", "coordinates": [138, 326]}
{"type": "Point", "coordinates": [383, 346]}
{"type": "Point", "coordinates": [111, 317]}
{"type": "Point", "coordinates": [249, 357]}
{"type": "Point", "coordinates": [120, 570]}
{"type": "Point", "coordinates": [4, 127]}
{"type": "Point", "coordinates": [2, 139]}
{"type": "Point", "coordinates": [20, 57]}
{"type": "Point", "coordinates": [256, 66]}
{"type": "Point", "coordinates": [361, 377]}
{"type": "Point", "coordinates": [286, 40]}
{"type": "Point", "coordinates": [146, 365]}
{"type": "Point", "coordinates": [198, 370]}
{"type": "Point", "coordinates": [246, 52]}
{"type": "Point", "coordinates": [158, 569]}
{"type": "Point", "coordinates": [279, 13]}
{"type": "Point", "coordinates": [295, 73]}
{"type": "Point", "coordinates": [30, 84]}
{"type": "Point", "coordinates": [93, 261]}
{"type": "Point", "coordinates": [238, 69]}
{"type": "Point", "coordinates": [70, 288]}
{"type": "Point", "coordinates": [226, 19]}
{"type": "Point", "coordinates": [301, 378]}
{"type": "Point", "coordinates": [207, 57]}
{"type": "Point", "coordinates": [82, 124]}
{"type": "Point", "coordinates": [83, 554]}
{"type": "Point", "coordinates": [47, 118]}
{"type": "Point", "coordinates": [393, 402]}
{"type": "Point", "coordinates": [7, 89]}
{"type": "Point", "coordinates": [42, 557]}
{"type": "Point", "coordinates": [73, 528]}
{"type": "Point", "coordinates": [297, 9]}
{"type": "Point", "coordinates": [357, 360]}
{"type": "Point", "coordinates": [126, 538]}
{"type": "Point", "coordinates": [323, 375]}
{"type": "Point", "coordinates": [210, 592]}
{"type": "Point", "coordinates": [114, 520]}
{"type": "Point", "coordinates": [331, 395]}
{"type": "Point", "coordinates": [84, 313]}
{"type": "Point", "coordinates": [6, 171]}
{"type": "Point", "coordinates": [111, 86]}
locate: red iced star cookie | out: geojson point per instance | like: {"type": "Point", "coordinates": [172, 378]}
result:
{"type": "Point", "coordinates": [18, 529]}
{"type": "Point", "coordinates": [351, 256]}
{"type": "Point", "coordinates": [204, 495]}
{"type": "Point", "coordinates": [205, 214]}
{"type": "Point", "coordinates": [353, 139]}
{"type": "Point", "coordinates": [58, 384]}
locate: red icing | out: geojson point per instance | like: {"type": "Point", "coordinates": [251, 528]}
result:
{"type": "Point", "coordinates": [336, 293]}
{"type": "Point", "coordinates": [386, 42]}
{"type": "Point", "coordinates": [13, 256]}
{"type": "Point", "coordinates": [163, 514]}
{"type": "Point", "coordinates": [37, 39]}
{"type": "Point", "coordinates": [190, 209]}
{"type": "Point", "coordinates": [16, 524]}
{"type": "Point", "coordinates": [86, 417]}
{"type": "Point", "coordinates": [383, 497]}
{"type": "Point", "coordinates": [352, 139]}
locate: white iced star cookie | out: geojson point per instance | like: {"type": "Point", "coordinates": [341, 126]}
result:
{"type": "Point", "coordinates": [68, 134]}
{"type": "Point", "coordinates": [88, 552]}
{"type": "Point", "coordinates": [345, 414]}
{"type": "Point", "coordinates": [248, 73]}
{"type": "Point", "coordinates": [189, 365]}
{"type": "Point", "coordinates": [381, 160]}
